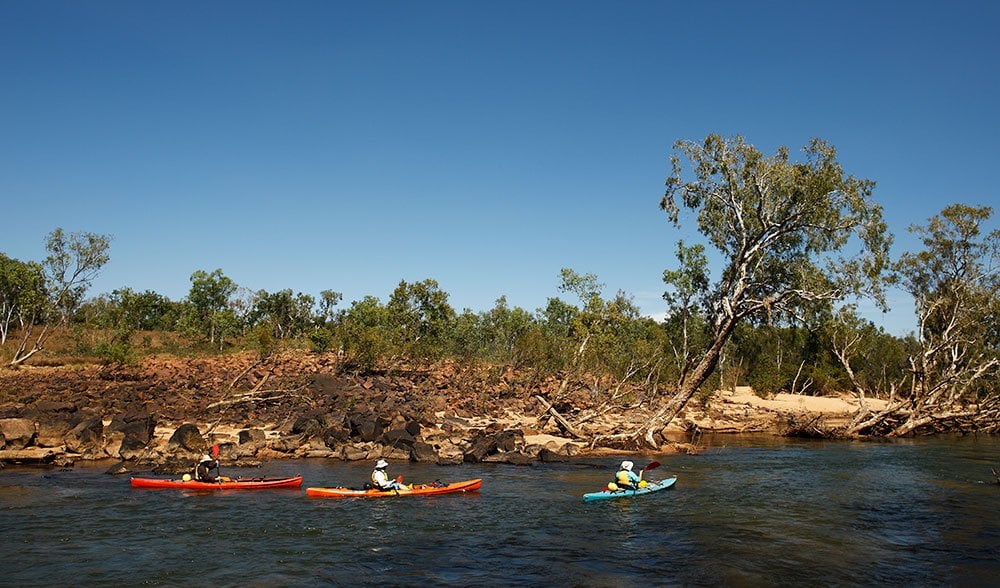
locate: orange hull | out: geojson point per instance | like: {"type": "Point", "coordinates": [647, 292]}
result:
{"type": "Point", "coordinates": [417, 490]}
{"type": "Point", "coordinates": [249, 484]}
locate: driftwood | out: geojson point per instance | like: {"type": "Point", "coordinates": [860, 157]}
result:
{"type": "Point", "coordinates": [811, 428]}
{"type": "Point", "coordinates": [31, 455]}
{"type": "Point", "coordinates": [559, 418]}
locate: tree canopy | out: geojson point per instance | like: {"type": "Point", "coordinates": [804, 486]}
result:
{"type": "Point", "coordinates": [793, 236]}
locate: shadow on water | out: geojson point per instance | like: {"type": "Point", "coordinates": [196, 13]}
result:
{"type": "Point", "coordinates": [745, 512]}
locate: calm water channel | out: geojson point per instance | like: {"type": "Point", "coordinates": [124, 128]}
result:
{"type": "Point", "coordinates": [746, 512]}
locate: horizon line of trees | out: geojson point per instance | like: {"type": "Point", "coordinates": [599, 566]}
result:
{"type": "Point", "coordinates": [598, 336]}
{"type": "Point", "coordinates": [798, 241]}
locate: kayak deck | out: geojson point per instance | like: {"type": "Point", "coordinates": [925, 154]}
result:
{"type": "Point", "coordinates": [236, 484]}
{"type": "Point", "coordinates": [649, 489]}
{"type": "Point", "coordinates": [415, 490]}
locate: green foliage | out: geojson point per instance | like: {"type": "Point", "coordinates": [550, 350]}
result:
{"type": "Point", "coordinates": [327, 300]}
{"type": "Point", "coordinates": [125, 308]}
{"type": "Point", "coordinates": [955, 283]}
{"type": "Point", "coordinates": [794, 237]}
{"type": "Point", "coordinates": [115, 352]}
{"type": "Point", "coordinates": [420, 318]}
{"type": "Point", "coordinates": [286, 315]}
{"type": "Point", "coordinates": [23, 294]}
{"type": "Point", "coordinates": [264, 342]}
{"type": "Point", "coordinates": [72, 263]}
{"type": "Point", "coordinates": [321, 340]}
{"type": "Point", "coordinates": [363, 330]}
{"type": "Point", "coordinates": [207, 312]}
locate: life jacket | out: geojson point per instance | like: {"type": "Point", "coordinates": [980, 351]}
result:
{"type": "Point", "coordinates": [622, 479]}
{"type": "Point", "coordinates": [380, 482]}
{"type": "Point", "coordinates": [201, 471]}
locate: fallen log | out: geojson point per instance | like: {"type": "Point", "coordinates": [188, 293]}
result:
{"type": "Point", "coordinates": [559, 418]}
{"type": "Point", "coordinates": [32, 455]}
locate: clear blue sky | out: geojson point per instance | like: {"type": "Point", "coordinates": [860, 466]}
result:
{"type": "Point", "coordinates": [351, 145]}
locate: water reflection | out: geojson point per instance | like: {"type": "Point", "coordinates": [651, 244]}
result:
{"type": "Point", "coordinates": [747, 511]}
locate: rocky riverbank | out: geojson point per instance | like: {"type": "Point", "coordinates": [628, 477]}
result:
{"type": "Point", "coordinates": [165, 412]}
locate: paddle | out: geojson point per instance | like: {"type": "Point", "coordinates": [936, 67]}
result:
{"type": "Point", "coordinates": [215, 455]}
{"type": "Point", "coordinates": [651, 466]}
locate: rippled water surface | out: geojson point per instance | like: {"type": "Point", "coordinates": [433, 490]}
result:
{"type": "Point", "coordinates": [745, 512]}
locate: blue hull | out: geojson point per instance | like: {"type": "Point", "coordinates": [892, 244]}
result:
{"type": "Point", "coordinates": [649, 489]}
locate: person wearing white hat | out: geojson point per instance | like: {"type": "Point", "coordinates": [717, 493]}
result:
{"type": "Point", "coordinates": [626, 479]}
{"type": "Point", "coordinates": [380, 479]}
{"type": "Point", "coordinates": [203, 471]}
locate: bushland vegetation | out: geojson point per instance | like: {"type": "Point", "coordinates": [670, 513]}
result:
{"type": "Point", "coordinates": [799, 244]}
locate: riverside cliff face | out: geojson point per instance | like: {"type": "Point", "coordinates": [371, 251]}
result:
{"type": "Point", "coordinates": [166, 411]}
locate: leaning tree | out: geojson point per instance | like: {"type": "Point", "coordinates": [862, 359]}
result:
{"type": "Point", "coordinates": [793, 236]}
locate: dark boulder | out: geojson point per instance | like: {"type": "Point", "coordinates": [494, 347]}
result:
{"type": "Point", "coordinates": [413, 428]}
{"type": "Point", "coordinates": [336, 436]}
{"type": "Point", "coordinates": [17, 433]}
{"type": "Point", "coordinates": [188, 438]}
{"type": "Point", "coordinates": [307, 427]}
{"type": "Point", "coordinates": [483, 445]}
{"type": "Point", "coordinates": [135, 441]}
{"type": "Point", "coordinates": [252, 436]}
{"type": "Point", "coordinates": [52, 429]}
{"type": "Point", "coordinates": [135, 423]}
{"type": "Point", "coordinates": [423, 452]}
{"type": "Point", "coordinates": [367, 428]}
{"type": "Point", "coordinates": [86, 437]}
{"type": "Point", "coordinates": [397, 438]}
{"type": "Point", "coordinates": [509, 440]}
{"type": "Point", "coordinates": [287, 444]}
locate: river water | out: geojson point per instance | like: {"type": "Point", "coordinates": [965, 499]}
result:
{"type": "Point", "coordinates": [747, 511]}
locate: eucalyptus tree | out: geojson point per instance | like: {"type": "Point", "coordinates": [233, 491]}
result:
{"type": "Point", "coordinates": [328, 299]}
{"type": "Point", "coordinates": [609, 335]}
{"type": "Point", "coordinates": [420, 317]}
{"type": "Point", "coordinates": [954, 282]}
{"type": "Point", "coordinates": [363, 333]}
{"type": "Point", "coordinates": [208, 306]}
{"type": "Point", "coordinates": [503, 330]}
{"type": "Point", "coordinates": [22, 294]}
{"type": "Point", "coordinates": [72, 263]}
{"type": "Point", "coordinates": [792, 235]}
{"type": "Point", "coordinates": [287, 315]}
{"type": "Point", "coordinates": [125, 311]}
{"type": "Point", "coordinates": [685, 285]}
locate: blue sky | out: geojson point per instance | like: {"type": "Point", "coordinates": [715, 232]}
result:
{"type": "Point", "coordinates": [351, 145]}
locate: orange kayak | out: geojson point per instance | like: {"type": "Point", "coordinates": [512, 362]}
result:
{"type": "Point", "coordinates": [414, 490]}
{"type": "Point", "coordinates": [235, 484]}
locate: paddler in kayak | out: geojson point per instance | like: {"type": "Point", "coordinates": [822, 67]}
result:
{"type": "Point", "coordinates": [203, 471]}
{"type": "Point", "coordinates": [380, 479]}
{"type": "Point", "coordinates": [626, 479]}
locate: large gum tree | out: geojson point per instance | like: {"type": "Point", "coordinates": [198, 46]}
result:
{"type": "Point", "coordinates": [793, 237]}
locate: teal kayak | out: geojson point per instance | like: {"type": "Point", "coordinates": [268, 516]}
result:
{"type": "Point", "coordinates": [649, 489]}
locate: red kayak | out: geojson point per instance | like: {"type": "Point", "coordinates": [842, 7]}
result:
{"type": "Point", "coordinates": [411, 490]}
{"type": "Point", "coordinates": [235, 484]}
